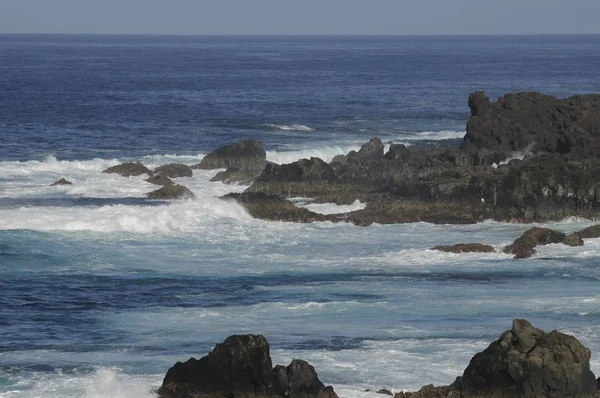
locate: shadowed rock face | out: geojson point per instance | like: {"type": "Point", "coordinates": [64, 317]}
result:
{"type": "Point", "coordinates": [241, 367]}
{"type": "Point", "coordinates": [525, 362]}
{"type": "Point", "coordinates": [62, 181]}
{"type": "Point", "coordinates": [171, 191]}
{"type": "Point", "coordinates": [466, 248]}
{"type": "Point", "coordinates": [129, 169]}
{"type": "Point", "coordinates": [243, 155]}
{"type": "Point", "coordinates": [174, 170]}
{"type": "Point", "coordinates": [541, 122]}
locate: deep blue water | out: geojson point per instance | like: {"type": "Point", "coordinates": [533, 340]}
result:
{"type": "Point", "coordinates": [101, 290]}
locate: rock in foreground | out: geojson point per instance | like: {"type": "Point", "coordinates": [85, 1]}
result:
{"type": "Point", "coordinates": [524, 362]}
{"type": "Point", "coordinates": [171, 191]}
{"type": "Point", "coordinates": [524, 246]}
{"type": "Point", "coordinates": [241, 368]}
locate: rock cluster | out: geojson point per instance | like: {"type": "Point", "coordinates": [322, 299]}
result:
{"type": "Point", "coordinates": [241, 367]}
{"type": "Point", "coordinates": [527, 157]}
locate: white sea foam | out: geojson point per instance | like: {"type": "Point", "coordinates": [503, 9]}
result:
{"type": "Point", "coordinates": [517, 155]}
{"type": "Point", "coordinates": [102, 383]}
{"type": "Point", "coordinates": [432, 135]}
{"type": "Point", "coordinates": [332, 208]}
{"type": "Point", "coordinates": [290, 127]}
{"type": "Point", "coordinates": [326, 153]}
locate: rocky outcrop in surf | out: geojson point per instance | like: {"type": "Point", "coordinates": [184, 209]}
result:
{"type": "Point", "coordinates": [62, 181]}
{"type": "Point", "coordinates": [509, 167]}
{"type": "Point", "coordinates": [244, 161]}
{"type": "Point", "coordinates": [129, 169]}
{"type": "Point", "coordinates": [466, 248]}
{"type": "Point", "coordinates": [174, 170]}
{"type": "Point", "coordinates": [241, 367]}
{"type": "Point", "coordinates": [171, 191]}
{"type": "Point", "coordinates": [525, 362]}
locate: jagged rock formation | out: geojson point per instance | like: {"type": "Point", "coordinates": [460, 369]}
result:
{"type": "Point", "coordinates": [525, 362]}
{"type": "Point", "coordinates": [241, 367]}
{"type": "Point", "coordinates": [552, 176]}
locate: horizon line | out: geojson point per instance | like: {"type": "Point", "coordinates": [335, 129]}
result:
{"type": "Point", "coordinates": [294, 34]}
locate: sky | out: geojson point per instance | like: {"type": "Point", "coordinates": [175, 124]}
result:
{"type": "Point", "coordinates": [300, 17]}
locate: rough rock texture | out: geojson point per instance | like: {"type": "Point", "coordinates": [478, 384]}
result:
{"type": "Point", "coordinates": [466, 248]}
{"type": "Point", "coordinates": [237, 176]}
{"type": "Point", "coordinates": [274, 208]}
{"type": "Point", "coordinates": [241, 367]}
{"type": "Point", "coordinates": [526, 158]}
{"type": "Point", "coordinates": [129, 169]}
{"type": "Point", "coordinates": [573, 239]}
{"type": "Point", "coordinates": [536, 121]}
{"type": "Point", "coordinates": [524, 246]}
{"type": "Point", "coordinates": [171, 191]}
{"type": "Point", "coordinates": [525, 362]}
{"type": "Point", "coordinates": [159, 179]}
{"type": "Point", "coordinates": [174, 170]}
{"type": "Point", "coordinates": [590, 232]}
{"type": "Point", "coordinates": [62, 181]}
{"type": "Point", "coordinates": [243, 155]}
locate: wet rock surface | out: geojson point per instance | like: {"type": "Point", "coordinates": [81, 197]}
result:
{"type": "Point", "coordinates": [526, 158]}
{"type": "Point", "coordinates": [171, 191]}
{"type": "Point", "coordinates": [129, 169]}
{"type": "Point", "coordinates": [523, 362]}
{"type": "Point", "coordinates": [174, 170]}
{"type": "Point", "coordinates": [466, 248]}
{"type": "Point", "coordinates": [241, 367]}
{"type": "Point", "coordinates": [62, 181]}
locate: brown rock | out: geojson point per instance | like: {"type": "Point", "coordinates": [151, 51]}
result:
{"type": "Point", "coordinates": [524, 246]}
{"type": "Point", "coordinates": [174, 170]}
{"type": "Point", "coordinates": [573, 239]}
{"type": "Point", "coordinates": [590, 232]}
{"type": "Point", "coordinates": [129, 169]}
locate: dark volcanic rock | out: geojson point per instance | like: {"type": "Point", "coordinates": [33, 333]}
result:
{"type": "Point", "coordinates": [275, 208]}
{"type": "Point", "coordinates": [62, 181]}
{"type": "Point", "coordinates": [237, 176]}
{"type": "Point", "coordinates": [241, 367]}
{"type": "Point", "coordinates": [524, 246]}
{"type": "Point", "coordinates": [372, 150]}
{"type": "Point", "coordinates": [159, 179]}
{"type": "Point", "coordinates": [540, 122]}
{"type": "Point", "coordinates": [466, 248]}
{"type": "Point", "coordinates": [524, 362]}
{"type": "Point", "coordinates": [590, 232]}
{"type": "Point", "coordinates": [129, 169]}
{"type": "Point", "coordinates": [573, 240]}
{"type": "Point", "coordinates": [174, 170]}
{"type": "Point", "coordinates": [171, 191]}
{"type": "Point", "coordinates": [243, 155]}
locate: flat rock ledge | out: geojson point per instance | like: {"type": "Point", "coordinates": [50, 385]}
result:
{"type": "Point", "coordinates": [466, 248]}
{"type": "Point", "coordinates": [241, 367]}
{"type": "Point", "coordinates": [525, 362]}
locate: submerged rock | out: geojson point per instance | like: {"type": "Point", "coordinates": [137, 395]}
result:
{"type": "Point", "coordinates": [62, 181]}
{"type": "Point", "coordinates": [171, 191]}
{"type": "Point", "coordinates": [129, 169]}
{"type": "Point", "coordinates": [525, 362]}
{"type": "Point", "coordinates": [174, 170]}
{"type": "Point", "coordinates": [466, 248]}
{"type": "Point", "coordinates": [241, 367]}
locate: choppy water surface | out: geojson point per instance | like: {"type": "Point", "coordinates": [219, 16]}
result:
{"type": "Point", "coordinates": [101, 290]}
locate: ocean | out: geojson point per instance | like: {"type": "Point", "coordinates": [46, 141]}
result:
{"type": "Point", "coordinates": [102, 290]}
